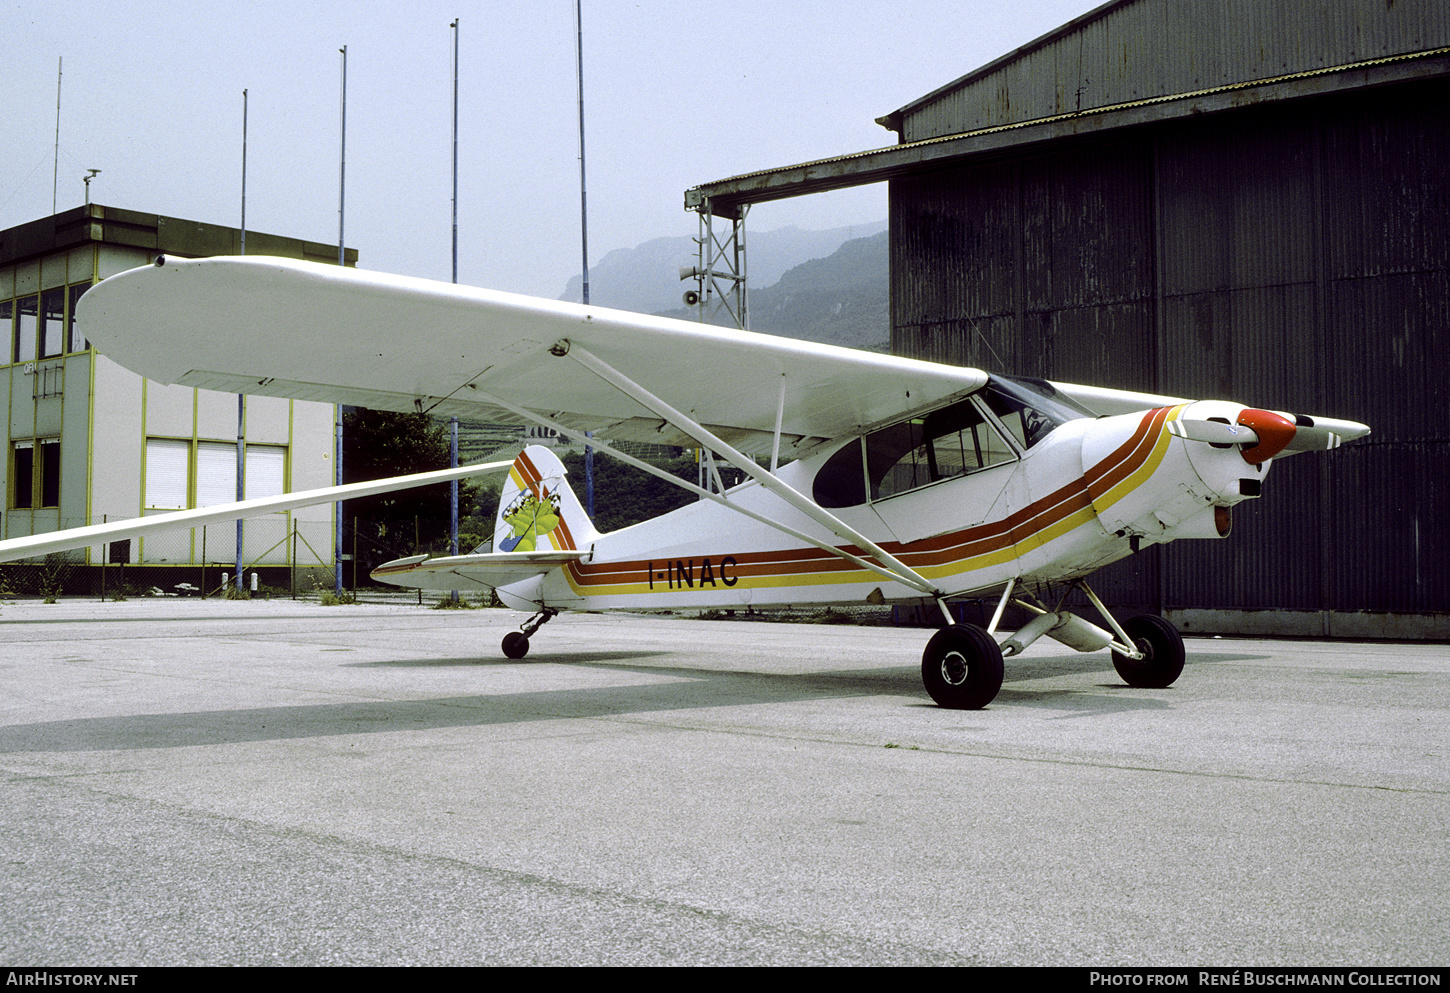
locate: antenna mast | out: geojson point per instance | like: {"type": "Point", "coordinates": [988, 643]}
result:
{"type": "Point", "coordinates": [342, 261]}
{"type": "Point", "coordinates": [55, 176]}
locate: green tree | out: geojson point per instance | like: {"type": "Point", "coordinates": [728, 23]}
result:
{"type": "Point", "coordinates": [378, 444]}
{"type": "Point", "coordinates": [624, 495]}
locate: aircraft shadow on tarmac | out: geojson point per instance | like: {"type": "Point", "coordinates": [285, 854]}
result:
{"type": "Point", "coordinates": [473, 662]}
{"type": "Point", "coordinates": [680, 689]}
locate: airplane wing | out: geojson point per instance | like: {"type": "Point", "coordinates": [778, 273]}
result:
{"type": "Point", "coordinates": [96, 534]}
{"type": "Point", "coordinates": [281, 327]}
{"type": "Point", "coordinates": [1106, 402]}
{"type": "Point", "coordinates": [486, 569]}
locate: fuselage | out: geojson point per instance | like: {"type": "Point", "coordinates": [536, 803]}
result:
{"type": "Point", "coordinates": [1085, 494]}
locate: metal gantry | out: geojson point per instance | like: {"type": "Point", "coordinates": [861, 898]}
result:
{"type": "Point", "coordinates": [719, 296]}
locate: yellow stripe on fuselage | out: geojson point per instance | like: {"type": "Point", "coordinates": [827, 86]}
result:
{"type": "Point", "coordinates": [1145, 471]}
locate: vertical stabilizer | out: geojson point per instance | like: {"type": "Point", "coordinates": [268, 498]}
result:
{"type": "Point", "coordinates": [537, 510]}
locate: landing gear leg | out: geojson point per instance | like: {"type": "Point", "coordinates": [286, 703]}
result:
{"type": "Point", "coordinates": [1149, 650]}
{"type": "Point", "coordinates": [516, 643]}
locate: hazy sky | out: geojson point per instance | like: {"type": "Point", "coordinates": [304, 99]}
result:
{"type": "Point", "coordinates": [676, 94]}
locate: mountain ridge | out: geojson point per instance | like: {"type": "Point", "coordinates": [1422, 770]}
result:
{"type": "Point", "coordinates": [828, 286]}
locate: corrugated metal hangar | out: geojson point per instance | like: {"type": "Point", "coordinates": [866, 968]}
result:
{"type": "Point", "coordinates": [1237, 199]}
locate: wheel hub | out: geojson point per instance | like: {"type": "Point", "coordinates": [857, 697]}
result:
{"type": "Point", "coordinates": [954, 668]}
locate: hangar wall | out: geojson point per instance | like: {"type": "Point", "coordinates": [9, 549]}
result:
{"type": "Point", "coordinates": [1292, 255]}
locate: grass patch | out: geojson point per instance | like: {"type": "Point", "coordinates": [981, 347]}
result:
{"type": "Point", "coordinates": [827, 616]}
{"type": "Point", "coordinates": [448, 603]}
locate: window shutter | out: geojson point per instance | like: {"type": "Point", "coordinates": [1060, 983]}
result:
{"type": "Point", "coordinates": [216, 473]}
{"type": "Point", "coordinates": [166, 465]}
{"type": "Point", "coordinates": [266, 470]}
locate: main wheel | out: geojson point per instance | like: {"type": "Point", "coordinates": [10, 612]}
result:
{"type": "Point", "coordinates": [1162, 648]}
{"type": "Point", "coordinates": [516, 644]}
{"type": "Point", "coordinates": [962, 667]}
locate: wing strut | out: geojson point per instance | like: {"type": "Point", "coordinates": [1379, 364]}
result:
{"type": "Point", "coordinates": [696, 430]}
{"type": "Point", "coordinates": [779, 420]}
{"type": "Point", "coordinates": [707, 494]}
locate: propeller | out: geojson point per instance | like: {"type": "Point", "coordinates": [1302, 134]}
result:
{"type": "Point", "coordinates": [1275, 432]}
{"type": "Point", "coordinates": [1320, 434]}
{"type": "Point", "coordinates": [1216, 432]}
{"type": "Point", "coordinates": [1263, 434]}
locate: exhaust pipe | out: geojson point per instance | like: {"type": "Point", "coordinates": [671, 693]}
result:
{"type": "Point", "coordinates": [1068, 628]}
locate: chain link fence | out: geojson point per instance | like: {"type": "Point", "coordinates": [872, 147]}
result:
{"type": "Point", "coordinates": [280, 558]}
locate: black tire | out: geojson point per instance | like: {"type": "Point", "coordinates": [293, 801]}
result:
{"type": "Point", "coordinates": [516, 644]}
{"type": "Point", "coordinates": [1162, 648]}
{"type": "Point", "coordinates": [962, 667]}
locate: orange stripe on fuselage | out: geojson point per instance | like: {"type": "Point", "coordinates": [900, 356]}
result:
{"type": "Point", "coordinates": [1129, 456]}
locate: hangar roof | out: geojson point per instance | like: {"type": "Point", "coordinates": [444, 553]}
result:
{"type": "Point", "coordinates": [1127, 63]}
{"type": "Point", "coordinates": [1131, 50]}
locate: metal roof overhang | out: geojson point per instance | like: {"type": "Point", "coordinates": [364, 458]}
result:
{"type": "Point", "coordinates": [725, 197]}
{"type": "Point", "coordinates": [95, 223]}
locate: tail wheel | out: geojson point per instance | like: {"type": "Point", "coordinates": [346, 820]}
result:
{"type": "Point", "coordinates": [1162, 648]}
{"type": "Point", "coordinates": [516, 644]}
{"type": "Point", "coordinates": [962, 667]}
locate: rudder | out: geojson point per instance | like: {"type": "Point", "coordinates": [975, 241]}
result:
{"type": "Point", "coordinates": [537, 510]}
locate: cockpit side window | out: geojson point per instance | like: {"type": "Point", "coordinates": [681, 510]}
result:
{"type": "Point", "coordinates": [952, 441]}
{"type": "Point", "coordinates": [943, 444]}
{"type": "Point", "coordinates": [946, 443]}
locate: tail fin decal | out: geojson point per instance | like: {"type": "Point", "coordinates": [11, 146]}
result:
{"type": "Point", "coordinates": [537, 510]}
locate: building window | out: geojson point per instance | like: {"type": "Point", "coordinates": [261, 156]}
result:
{"type": "Point", "coordinates": [35, 474]}
{"type": "Point", "coordinates": [50, 473]}
{"type": "Point", "coordinates": [216, 472]}
{"type": "Point", "coordinates": [75, 342]}
{"type": "Point", "coordinates": [52, 323]}
{"type": "Point", "coordinates": [27, 312]}
{"type": "Point", "coordinates": [266, 471]}
{"type": "Point", "coordinates": [24, 463]}
{"type": "Point", "coordinates": [167, 473]}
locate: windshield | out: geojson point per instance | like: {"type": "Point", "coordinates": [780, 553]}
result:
{"type": "Point", "coordinates": [1030, 408]}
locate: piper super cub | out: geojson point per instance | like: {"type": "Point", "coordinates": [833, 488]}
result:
{"type": "Point", "coordinates": [884, 479]}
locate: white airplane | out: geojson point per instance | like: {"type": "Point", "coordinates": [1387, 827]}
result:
{"type": "Point", "coordinates": [885, 479]}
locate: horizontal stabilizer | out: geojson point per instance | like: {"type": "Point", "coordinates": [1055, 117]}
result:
{"type": "Point", "coordinates": [486, 569]}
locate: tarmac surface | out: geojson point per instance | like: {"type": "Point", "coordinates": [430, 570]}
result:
{"type": "Point", "coordinates": [214, 783]}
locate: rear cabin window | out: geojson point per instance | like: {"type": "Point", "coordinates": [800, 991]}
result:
{"type": "Point", "coordinates": [943, 444]}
